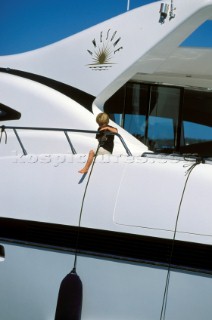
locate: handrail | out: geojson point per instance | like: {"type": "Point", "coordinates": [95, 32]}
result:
{"type": "Point", "coordinates": [70, 143]}
{"type": "Point", "coordinates": [20, 142]}
{"type": "Point", "coordinates": [14, 128]}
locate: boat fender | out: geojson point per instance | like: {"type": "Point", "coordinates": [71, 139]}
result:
{"type": "Point", "coordinates": [69, 303]}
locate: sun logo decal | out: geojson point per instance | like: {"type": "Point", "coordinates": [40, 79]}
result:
{"type": "Point", "coordinates": [103, 50]}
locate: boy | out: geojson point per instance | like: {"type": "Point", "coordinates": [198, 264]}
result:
{"type": "Point", "coordinates": [106, 141]}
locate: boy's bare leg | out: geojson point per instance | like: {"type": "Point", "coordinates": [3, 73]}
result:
{"type": "Point", "coordinates": [88, 162]}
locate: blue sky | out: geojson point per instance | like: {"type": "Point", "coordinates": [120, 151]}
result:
{"type": "Point", "coordinates": [29, 24]}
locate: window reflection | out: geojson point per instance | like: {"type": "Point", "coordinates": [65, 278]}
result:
{"type": "Point", "coordinates": [197, 117]}
{"type": "Point", "coordinates": [165, 118]}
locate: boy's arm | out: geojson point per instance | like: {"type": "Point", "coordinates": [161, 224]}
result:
{"type": "Point", "coordinates": [109, 128]}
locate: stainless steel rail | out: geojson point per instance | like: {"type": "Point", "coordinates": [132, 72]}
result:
{"type": "Point", "coordinates": [66, 131]}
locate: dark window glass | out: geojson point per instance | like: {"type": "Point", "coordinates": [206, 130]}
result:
{"type": "Point", "coordinates": [7, 113]}
{"type": "Point", "coordinates": [128, 108]}
{"type": "Point", "coordinates": [115, 106]}
{"type": "Point", "coordinates": [135, 112]}
{"type": "Point", "coordinates": [196, 126]}
{"type": "Point", "coordinates": [197, 117]}
{"type": "Point", "coordinates": [163, 117]}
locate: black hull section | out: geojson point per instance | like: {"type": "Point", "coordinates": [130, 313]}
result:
{"type": "Point", "coordinates": [108, 244]}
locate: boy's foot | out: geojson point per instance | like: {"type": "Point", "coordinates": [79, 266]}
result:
{"type": "Point", "coordinates": [84, 170]}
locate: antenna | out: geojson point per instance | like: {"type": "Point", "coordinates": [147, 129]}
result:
{"type": "Point", "coordinates": [166, 7]}
{"type": "Point", "coordinates": [171, 13]}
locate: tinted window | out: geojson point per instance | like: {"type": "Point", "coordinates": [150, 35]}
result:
{"type": "Point", "coordinates": [197, 117]}
{"type": "Point", "coordinates": [163, 117]}
{"type": "Point", "coordinates": [7, 113]}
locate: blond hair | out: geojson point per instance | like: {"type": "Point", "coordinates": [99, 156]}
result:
{"type": "Point", "coordinates": [102, 119]}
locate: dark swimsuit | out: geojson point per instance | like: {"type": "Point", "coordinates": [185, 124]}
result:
{"type": "Point", "coordinates": [106, 141]}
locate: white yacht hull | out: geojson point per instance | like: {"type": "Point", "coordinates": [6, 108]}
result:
{"type": "Point", "coordinates": [112, 289]}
